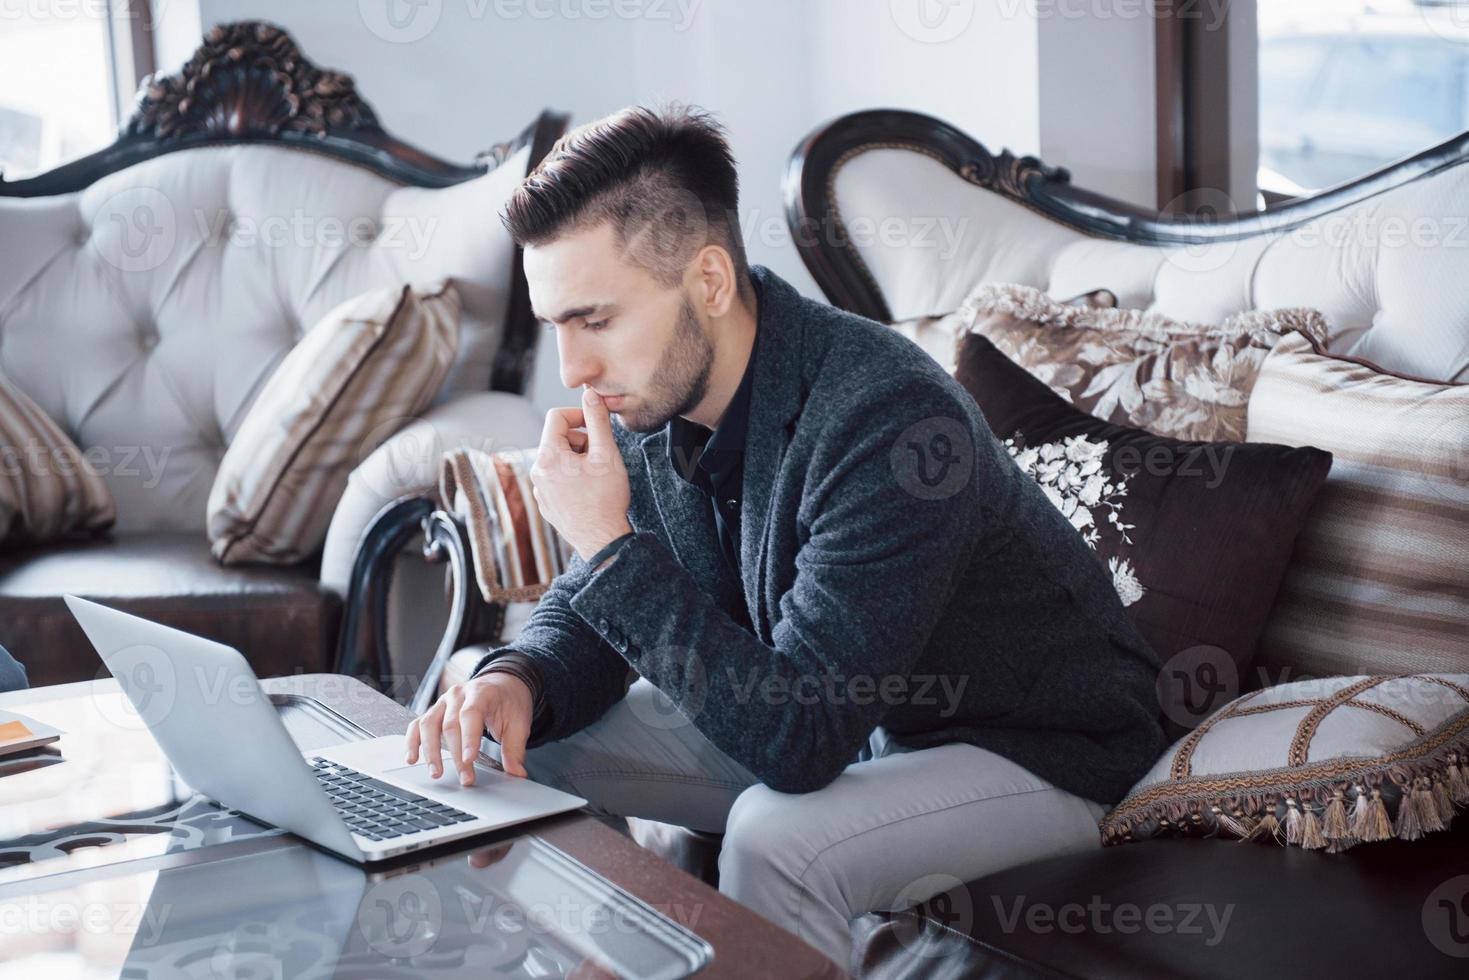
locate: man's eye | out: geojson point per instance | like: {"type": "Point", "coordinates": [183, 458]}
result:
{"type": "Point", "coordinates": [596, 324]}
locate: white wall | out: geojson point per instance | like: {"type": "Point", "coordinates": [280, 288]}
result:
{"type": "Point", "coordinates": [1098, 95]}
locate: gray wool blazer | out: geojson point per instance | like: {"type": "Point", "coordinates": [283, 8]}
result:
{"type": "Point", "coordinates": [898, 569]}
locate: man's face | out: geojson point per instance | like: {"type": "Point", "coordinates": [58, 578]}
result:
{"type": "Point", "coordinates": [639, 344]}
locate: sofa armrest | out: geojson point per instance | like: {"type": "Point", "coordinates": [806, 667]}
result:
{"type": "Point", "coordinates": [407, 465]}
{"type": "Point", "coordinates": [390, 577]}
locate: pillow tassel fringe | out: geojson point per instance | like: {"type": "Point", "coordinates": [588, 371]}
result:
{"type": "Point", "coordinates": [1442, 801]}
{"type": "Point", "coordinates": [1370, 822]}
{"type": "Point", "coordinates": [1334, 819]}
{"type": "Point", "coordinates": [1423, 803]}
{"type": "Point", "coordinates": [1458, 778]}
{"type": "Point", "coordinates": [1429, 793]}
{"type": "Point", "coordinates": [1268, 826]}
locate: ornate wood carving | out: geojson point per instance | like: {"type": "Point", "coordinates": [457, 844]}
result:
{"type": "Point", "coordinates": [249, 79]}
{"type": "Point", "coordinates": [249, 83]}
{"type": "Point", "coordinates": [1009, 174]}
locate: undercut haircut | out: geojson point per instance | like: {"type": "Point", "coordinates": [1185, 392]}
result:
{"type": "Point", "coordinates": [664, 178]}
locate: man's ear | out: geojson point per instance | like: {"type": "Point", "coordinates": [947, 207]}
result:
{"type": "Point", "coordinates": [716, 284]}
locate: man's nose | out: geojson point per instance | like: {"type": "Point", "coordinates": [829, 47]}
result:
{"type": "Point", "coordinates": [577, 366]}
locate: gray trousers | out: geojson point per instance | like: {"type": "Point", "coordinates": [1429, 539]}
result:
{"type": "Point", "coordinates": [893, 829]}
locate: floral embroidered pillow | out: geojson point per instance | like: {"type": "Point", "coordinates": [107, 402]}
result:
{"type": "Point", "coordinates": [1132, 367]}
{"type": "Point", "coordinates": [1195, 535]}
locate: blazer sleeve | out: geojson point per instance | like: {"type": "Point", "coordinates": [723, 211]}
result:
{"type": "Point", "coordinates": [580, 674]}
{"type": "Point", "coordinates": [12, 672]}
{"type": "Point", "coordinates": [880, 555]}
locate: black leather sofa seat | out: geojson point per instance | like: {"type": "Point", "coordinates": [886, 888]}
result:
{"type": "Point", "coordinates": [1391, 911]}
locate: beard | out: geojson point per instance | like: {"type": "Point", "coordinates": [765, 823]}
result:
{"type": "Point", "coordinates": [681, 379]}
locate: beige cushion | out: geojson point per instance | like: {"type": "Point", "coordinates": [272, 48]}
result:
{"type": "Point", "coordinates": [359, 376]}
{"type": "Point", "coordinates": [1379, 582]}
{"type": "Point", "coordinates": [1321, 764]}
{"type": "Point", "coordinates": [47, 488]}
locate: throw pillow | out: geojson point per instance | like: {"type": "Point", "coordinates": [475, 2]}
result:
{"type": "Point", "coordinates": [1132, 367]}
{"type": "Point", "coordinates": [1195, 535]}
{"type": "Point", "coordinates": [1325, 763]}
{"type": "Point", "coordinates": [356, 377]}
{"type": "Point", "coordinates": [47, 488]}
{"type": "Point", "coordinates": [1380, 580]}
{"type": "Point", "coordinates": [939, 336]}
{"type": "Point", "coordinates": [516, 552]}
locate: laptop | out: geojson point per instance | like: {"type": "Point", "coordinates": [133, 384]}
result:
{"type": "Point", "coordinates": [359, 800]}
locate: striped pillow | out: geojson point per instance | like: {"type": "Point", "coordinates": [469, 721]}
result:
{"type": "Point", "coordinates": [516, 551]}
{"type": "Point", "coordinates": [357, 377]}
{"type": "Point", "coordinates": [47, 488]}
{"type": "Point", "coordinates": [1379, 582]}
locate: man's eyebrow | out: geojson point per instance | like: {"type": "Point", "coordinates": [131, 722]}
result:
{"type": "Point", "coordinates": [576, 311]}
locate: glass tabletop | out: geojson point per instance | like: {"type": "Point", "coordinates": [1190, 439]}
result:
{"type": "Point", "coordinates": [519, 908]}
{"type": "Point", "coordinates": [111, 866]}
{"type": "Point", "coordinates": [105, 792]}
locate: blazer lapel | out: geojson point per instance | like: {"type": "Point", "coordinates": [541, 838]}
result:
{"type": "Point", "coordinates": [775, 402]}
{"type": "Point", "coordinates": [686, 516]}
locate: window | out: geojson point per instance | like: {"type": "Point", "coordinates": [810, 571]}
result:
{"type": "Point", "coordinates": [1348, 88]}
{"type": "Point", "coordinates": [66, 69]}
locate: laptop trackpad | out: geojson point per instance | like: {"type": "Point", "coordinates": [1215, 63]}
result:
{"type": "Point", "coordinates": [416, 776]}
{"type": "Point", "coordinates": [493, 794]}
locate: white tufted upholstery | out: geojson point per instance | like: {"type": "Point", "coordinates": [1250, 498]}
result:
{"type": "Point", "coordinates": [145, 313]}
{"type": "Point", "coordinates": [1391, 273]}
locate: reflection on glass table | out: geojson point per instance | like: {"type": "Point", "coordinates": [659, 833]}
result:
{"type": "Point", "coordinates": [517, 909]}
{"type": "Point", "coordinates": [116, 798]}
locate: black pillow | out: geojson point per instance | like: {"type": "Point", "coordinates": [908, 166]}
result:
{"type": "Point", "coordinates": [1196, 535]}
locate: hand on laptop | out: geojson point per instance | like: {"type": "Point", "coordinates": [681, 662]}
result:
{"type": "Point", "coordinates": [497, 702]}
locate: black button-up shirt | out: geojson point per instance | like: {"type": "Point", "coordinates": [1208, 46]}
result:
{"type": "Point", "coordinates": [714, 461]}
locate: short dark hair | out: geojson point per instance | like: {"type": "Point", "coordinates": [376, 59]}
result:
{"type": "Point", "coordinates": [664, 178]}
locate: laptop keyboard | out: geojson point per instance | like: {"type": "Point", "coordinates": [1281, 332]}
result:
{"type": "Point", "coordinates": [379, 810]}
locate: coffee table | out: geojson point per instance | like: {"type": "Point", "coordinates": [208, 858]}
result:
{"type": "Point", "coordinates": [107, 858]}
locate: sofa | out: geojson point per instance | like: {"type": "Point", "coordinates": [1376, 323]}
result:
{"type": "Point", "coordinates": [1289, 912]}
{"type": "Point", "coordinates": [147, 292]}
{"type": "Point", "coordinates": [1400, 303]}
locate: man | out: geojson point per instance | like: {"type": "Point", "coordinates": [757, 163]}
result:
{"type": "Point", "coordinates": [895, 664]}
{"type": "Point", "coordinates": [12, 672]}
